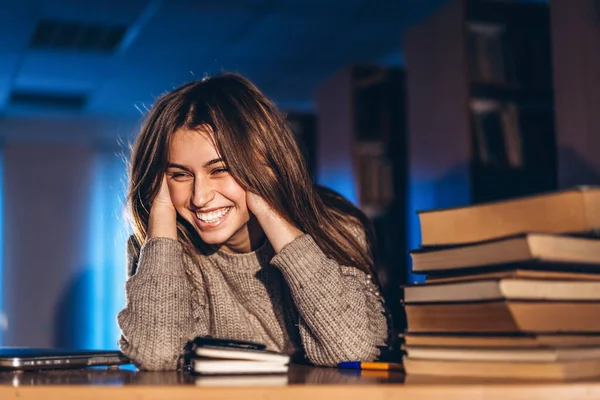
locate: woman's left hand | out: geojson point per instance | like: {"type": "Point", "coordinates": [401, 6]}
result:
{"type": "Point", "coordinates": [279, 231]}
{"type": "Point", "coordinates": [258, 206]}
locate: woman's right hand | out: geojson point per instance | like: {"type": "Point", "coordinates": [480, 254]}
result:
{"type": "Point", "coordinates": [163, 216]}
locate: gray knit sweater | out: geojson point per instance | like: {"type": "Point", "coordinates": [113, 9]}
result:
{"type": "Point", "coordinates": [297, 301]}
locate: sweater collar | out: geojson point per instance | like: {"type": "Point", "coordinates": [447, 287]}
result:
{"type": "Point", "coordinates": [244, 262]}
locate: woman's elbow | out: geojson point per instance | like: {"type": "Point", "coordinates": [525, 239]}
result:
{"type": "Point", "coordinates": [148, 358]}
{"type": "Point", "coordinates": [157, 362]}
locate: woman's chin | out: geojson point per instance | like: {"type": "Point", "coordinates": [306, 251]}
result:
{"type": "Point", "coordinates": [213, 240]}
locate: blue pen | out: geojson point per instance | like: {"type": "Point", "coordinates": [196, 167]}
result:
{"type": "Point", "coordinates": [349, 364]}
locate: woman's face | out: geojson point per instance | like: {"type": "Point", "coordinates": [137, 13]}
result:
{"type": "Point", "coordinates": [205, 194]}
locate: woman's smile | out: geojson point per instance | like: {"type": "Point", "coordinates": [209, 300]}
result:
{"type": "Point", "coordinates": [214, 217]}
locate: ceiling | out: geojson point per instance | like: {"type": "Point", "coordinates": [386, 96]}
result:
{"type": "Point", "coordinates": [113, 57]}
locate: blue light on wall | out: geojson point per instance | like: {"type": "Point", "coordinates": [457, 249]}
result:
{"type": "Point", "coordinates": [421, 196]}
{"type": "Point", "coordinates": [107, 248]}
{"type": "Point", "coordinates": [341, 180]}
{"type": "Point", "coordinates": [450, 190]}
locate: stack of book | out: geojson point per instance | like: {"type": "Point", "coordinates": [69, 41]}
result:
{"type": "Point", "coordinates": [512, 290]}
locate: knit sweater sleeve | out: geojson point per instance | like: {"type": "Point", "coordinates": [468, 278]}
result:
{"type": "Point", "coordinates": [342, 316]}
{"type": "Point", "coordinates": [160, 315]}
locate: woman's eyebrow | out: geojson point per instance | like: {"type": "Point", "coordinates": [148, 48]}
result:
{"type": "Point", "coordinates": [179, 166]}
{"type": "Point", "coordinates": [206, 164]}
{"type": "Point", "coordinates": [212, 162]}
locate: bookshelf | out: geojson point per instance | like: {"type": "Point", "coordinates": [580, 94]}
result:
{"type": "Point", "coordinates": [360, 115]}
{"type": "Point", "coordinates": [576, 62]}
{"type": "Point", "coordinates": [481, 104]}
{"type": "Point", "coordinates": [362, 155]}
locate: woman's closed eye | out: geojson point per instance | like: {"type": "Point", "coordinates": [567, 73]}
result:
{"type": "Point", "coordinates": [178, 175]}
{"type": "Point", "coordinates": [218, 171]}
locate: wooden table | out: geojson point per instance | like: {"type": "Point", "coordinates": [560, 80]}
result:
{"type": "Point", "coordinates": [302, 383]}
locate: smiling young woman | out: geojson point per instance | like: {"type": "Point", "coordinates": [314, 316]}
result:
{"type": "Point", "coordinates": [232, 239]}
{"type": "Point", "coordinates": [206, 195]}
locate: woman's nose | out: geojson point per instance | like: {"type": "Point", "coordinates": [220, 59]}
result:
{"type": "Point", "coordinates": [202, 194]}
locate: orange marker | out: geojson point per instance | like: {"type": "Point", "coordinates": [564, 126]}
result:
{"type": "Point", "coordinates": [381, 366]}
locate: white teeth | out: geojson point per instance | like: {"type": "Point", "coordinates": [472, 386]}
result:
{"type": "Point", "coordinates": [213, 215]}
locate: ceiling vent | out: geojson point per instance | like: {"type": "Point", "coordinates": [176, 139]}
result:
{"type": "Point", "coordinates": [76, 36]}
{"type": "Point", "coordinates": [47, 100]}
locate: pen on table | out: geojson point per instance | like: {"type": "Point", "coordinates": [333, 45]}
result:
{"type": "Point", "coordinates": [385, 366]}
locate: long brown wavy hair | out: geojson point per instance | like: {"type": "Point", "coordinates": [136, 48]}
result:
{"type": "Point", "coordinates": [261, 153]}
